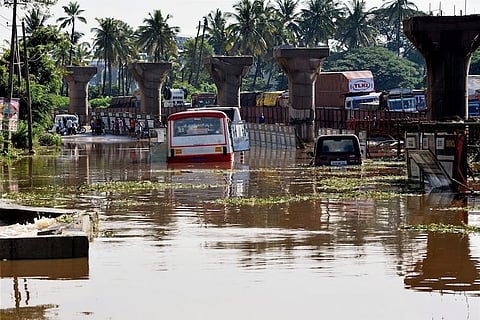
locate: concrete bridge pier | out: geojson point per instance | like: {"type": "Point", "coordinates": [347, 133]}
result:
{"type": "Point", "coordinates": [77, 78]}
{"type": "Point", "coordinates": [447, 44]}
{"type": "Point", "coordinates": [150, 77]}
{"type": "Point", "coordinates": [302, 66]}
{"type": "Point", "coordinates": [227, 73]}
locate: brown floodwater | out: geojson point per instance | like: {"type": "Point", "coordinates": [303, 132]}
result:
{"type": "Point", "coordinates": [182, 251]}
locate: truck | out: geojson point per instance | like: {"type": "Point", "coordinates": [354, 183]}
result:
{"type": "Point", "coordinates": [269, 99]}
{"type": "Point", "coordinates": [404, 100]}
{"type": "Point", "coordinates": [473, 88]}
{"type": "Point", "coordinates": [203, 99]}
{"type": "Point", "coordinates": [346, 89]}
{"type": "Point", "coordinates": [174, 97]}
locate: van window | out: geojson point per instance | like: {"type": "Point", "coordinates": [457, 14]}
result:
{"type": "Point", "coordinates": [335, 150]}
{"type": "Point", "coordinates": [337, 146]}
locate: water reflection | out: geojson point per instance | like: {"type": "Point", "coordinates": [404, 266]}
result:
{"type": "Point", "coordinates": [177, 246]}
{"type": "Point", "coordinates": [66, 269]}
{"type": "Point", "coordinates": [447, 265]}
{"type": "Point", "coordinates": [22, 272]}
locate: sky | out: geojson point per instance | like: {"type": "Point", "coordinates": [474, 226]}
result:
{"type": "Point", "coordinates": [186, 14]}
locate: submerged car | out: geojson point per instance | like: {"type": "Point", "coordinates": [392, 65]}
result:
{"type": "Point", "coordinates": [337, 150]}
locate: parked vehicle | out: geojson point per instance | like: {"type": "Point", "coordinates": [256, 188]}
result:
{"type": "Point", "coordinates": [174, 97]}
{"type": "Point", "coordinates": [62, 121]}
{"type": "Point", "coordinates": [345, 89]}
{"type": "Point", "coordinates": [204, 135]}
{"type": "Point", "coordinates": [203, 99]}
{"type": "Point", "coordinates": [473, 89]}
{"type": "Point", "coordinates": [405, 100]}
{"type": "Point", "coordinates": [233, 113]}
{"type": "Point", "coordinates": [336, 150]}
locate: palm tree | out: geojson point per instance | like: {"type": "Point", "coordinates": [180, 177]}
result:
{"type": "Point", "coordinates": [35, 19]}
{"type": "Point", "coordinates": [82, 54]}
{"type": "Point", "coordinates": [396, 11]}
{"type": "Point", "coordinates": [250, 27]}
{"type": "Point", "coordinates": [126, 53]}
{"type": "Point", "coordinates": [73, 12]}
{"type": "Point", "coordinates": [109, 44]}
{"type": "Point", "coordinates": [356, 29]}
{"type": "Point", "coordinates": [319, 21]}
{"type": "Point", "coordinates": [287, 29]}
{"type": "Point", "coordinates": [216, 31]}
{"type": "Point", "coordinates": [251, 33]}
{"type": "Point", "coordinates": [157, 37]}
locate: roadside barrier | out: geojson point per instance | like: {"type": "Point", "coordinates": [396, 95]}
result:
{"type": "Point", "coordinates": [272, 135]}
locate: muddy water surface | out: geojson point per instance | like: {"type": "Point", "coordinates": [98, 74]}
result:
{"type": "Point", "coordinates": [269, 238]}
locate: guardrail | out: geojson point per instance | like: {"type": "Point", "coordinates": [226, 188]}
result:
{"type": "Point", "coordinates": [272, 135]}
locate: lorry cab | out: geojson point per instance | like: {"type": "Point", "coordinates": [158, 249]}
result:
{"type": "Point", "coordinates": [358, 102]}
{"type": "Point", "coordinates": [337, 150]}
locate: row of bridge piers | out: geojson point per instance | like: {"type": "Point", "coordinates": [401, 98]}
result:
{"type": "Point", "coordinates": [446, 42]}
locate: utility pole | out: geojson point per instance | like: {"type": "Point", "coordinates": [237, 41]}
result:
{"type": "Point", "coordinates": [201, 50]}
{"type": "Point", "coordinates": [192, 69]}
{"type": "Point", "coordinates": [29, 95]}
{"type": "Point", "coordinates": [13, 41]}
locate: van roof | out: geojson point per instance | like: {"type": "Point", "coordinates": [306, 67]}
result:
{"type": "Point", "coordinates": [337, 136]}
{"type": "Point", "coordinates": [232, 112]}
{"type": "Point", "coordinates": [66, 115]}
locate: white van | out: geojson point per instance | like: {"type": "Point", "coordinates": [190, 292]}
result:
{"type": "Point", "coordinates": [61, 122]}
{"type": "Point", "coordinates": [238, 127]}
{"type": "Point", "coordinates": [232, 112]}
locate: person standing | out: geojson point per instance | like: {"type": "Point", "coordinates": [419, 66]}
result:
{"type": "Point", "coordinates": [261, 119]}
{"type": "Point", "coordinates": [69, 126]}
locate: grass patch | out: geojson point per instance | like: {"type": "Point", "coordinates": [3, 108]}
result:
{"type": "Point", "coordinates": [444, 228]}
{"type": "Point", "coordinates": [60, 196]}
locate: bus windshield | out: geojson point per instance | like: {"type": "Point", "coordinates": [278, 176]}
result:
{"type": "Point", "coordinates": [197, 126]}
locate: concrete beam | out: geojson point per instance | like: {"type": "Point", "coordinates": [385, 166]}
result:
{"type": "Point", "coordinates": [227, 73]}
{"type": "Point", "coordinates": [302, 66]}
{"type": "Point", "coordinates": [150, 77]}
{"type": "Point", "coordinates": [44, 247]}
{"type": "Point", "coordinates": [77, 78]}
{"type": "Point", "coordinates": [447, 44]}
{"type": "Point", "coordinates": [60, 240]}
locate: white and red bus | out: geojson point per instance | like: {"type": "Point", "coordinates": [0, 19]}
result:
{"type": "Point", "coordinates": [204, 135]}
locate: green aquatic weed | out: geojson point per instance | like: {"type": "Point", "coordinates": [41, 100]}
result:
{"type": "Point", "coordinates": [445, 228]}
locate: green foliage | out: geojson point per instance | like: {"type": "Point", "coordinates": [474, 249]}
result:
{"type": "Point", "coordinates": [43, 53]}
{"type": "Point", "coordinates": [49, 139]}
{"type": "Point", "coordinates": [43, 105]}
{"type": "Point", "coordinates": [475, 63]}
{"type": "Point", "coordinates": [443, 228]}
{"type": "Point", "coordinates": [188, 71]}
{"type": "Point", "coordinates": [59, 102]}
{"type": "Point", "coordinates": [388, 70]}
{"type": "Point", "coordinates": [20, 137]}
{"type": "Point", "coordinates": [203, 87]}
{"type": "Point", "coordinates": [100, 102]}
{"type": "Point", "coordinates": [9, 156]}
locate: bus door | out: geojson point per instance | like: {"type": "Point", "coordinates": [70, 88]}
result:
{"type": "Point", "coordinates": [240, 137]}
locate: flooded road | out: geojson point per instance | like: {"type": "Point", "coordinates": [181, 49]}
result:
{"type": "Point", "coordinates": [269, 238]}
